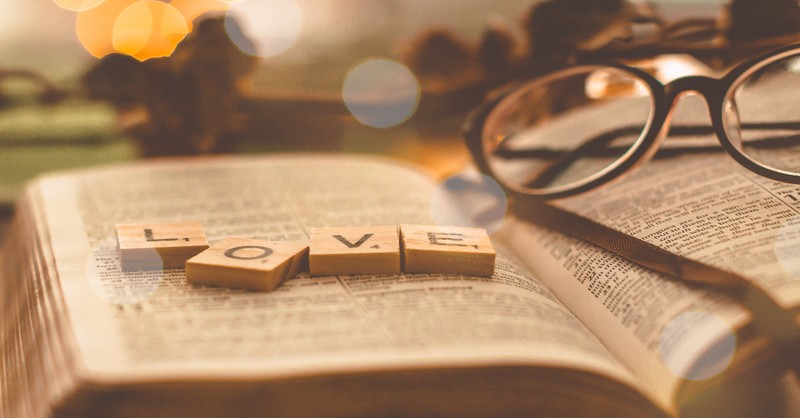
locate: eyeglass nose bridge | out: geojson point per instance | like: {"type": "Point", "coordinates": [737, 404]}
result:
{"type": "Point", "coordinates": [708, 87]}
{"type": "Point", "coordinates": [666, 100]}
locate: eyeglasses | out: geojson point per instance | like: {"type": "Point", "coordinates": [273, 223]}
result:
{"type": "Point", "coordinates": [579, 128]}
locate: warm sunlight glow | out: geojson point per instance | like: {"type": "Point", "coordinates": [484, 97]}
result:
{"type": "Point", "coordinates": [671, 67]}
{"type": "Point", "coordinates": [149, 29]}
{"type": "Point", "coordinates": [272, 26]}
{"type": "Point", "coordinates": [192, 9]}
{"type": "Point", "coordinates": [133, 28]}
{"type": "Point", "coordinates": [95, 27]}
{"type": "Point", "coordinates": [607, 84]}
{"type": "Point", "coordinates": [794, 65]}
{"type": "Point", "coordinates": [78, 5]}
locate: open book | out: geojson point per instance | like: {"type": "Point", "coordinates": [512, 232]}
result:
{"type": "Point", "coordinates": [561, 329]}
{"type": "Point", "coordinates": [718, 222]}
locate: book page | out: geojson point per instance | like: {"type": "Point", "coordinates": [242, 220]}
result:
{"type": "Point", "coordinates": [705, 206]}
{"type": "Point", "coordinates": [145, 326]}
{"type": "Point", "coordinates": [629, 307]}
{"type": "Point", "coordinates": [695, 202]}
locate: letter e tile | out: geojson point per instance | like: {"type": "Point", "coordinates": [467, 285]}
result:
{"type": "Point", "coordinates": [247, 264]}
{"type": "Point", "coordinates": [447, 250]}
{"type": "Point", "coordinates": [354, 250]}
{"type": "Point", "coordinates": [159, 246]}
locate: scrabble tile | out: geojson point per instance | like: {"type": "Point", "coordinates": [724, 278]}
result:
{"type": "Point", "coordinates": [447, 250]}
{"type": "Point", "coordinates": [354, 250]}
{"type": "Point", "coordinates": [157, 246]}
{"type": "Point", "coordinates": [247, 264]}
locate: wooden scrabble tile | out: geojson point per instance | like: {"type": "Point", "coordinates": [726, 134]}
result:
{"type": "Point", "coordinates": [247, 264]}
{"type": "Point", "coordinates": [447, 250]}
{"type": "Point", "coordinates": [159, 246]}
{"type": "Point", "coordinates": [354, 250]}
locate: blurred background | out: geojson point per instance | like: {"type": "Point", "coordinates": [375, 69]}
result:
{"type": "Point", "coordinates": [304, 78]}
{"type": "Point", "coordinates": [41, 34]}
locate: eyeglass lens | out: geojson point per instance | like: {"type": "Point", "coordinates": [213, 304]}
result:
{"type": "Point", "coordinates": [565, 129]}
{"type": "Point", "coordinates": [761, 114]}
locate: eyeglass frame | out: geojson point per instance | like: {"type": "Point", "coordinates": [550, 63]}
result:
{"type": "Point", "coordinates": [715, 91]}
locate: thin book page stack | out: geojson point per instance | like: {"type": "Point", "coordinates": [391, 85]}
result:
{"type": "Point", "coordinates": [264, 265]}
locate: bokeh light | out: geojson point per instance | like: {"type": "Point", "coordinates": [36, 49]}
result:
{"type": "Point", "coordinates": [192, 9]}
{"type": "Point", "coordinates": [794, 65]}
{"type": "Point", "coordinates": [133, 29]}
{"type": "Point", "coordinates": [469, 199]}
{"type": "Point", "coordinates": [95, 27]}
{"type": "Point", "coordinates": [78, 5]}
{"type": "Point", "coordinates": [141, 28]}
{"type": "Point", "coordinates": [697, 345]}
{"type": "Point", "coordinates": [787, 247]}
{"type": "Point", "coordinates": [264, 28]}
{"type": "Point", "coordinates": [136, 287]}
{"type": "Point", "coordinates": [604, 84]}
{"type": "Point", "coordinates": [381, 93]}
{"type": "Point", "coordinates": [149, 29]}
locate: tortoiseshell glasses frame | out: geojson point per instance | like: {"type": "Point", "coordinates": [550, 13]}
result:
{"type": "Point", "coordinates": [717, 92]}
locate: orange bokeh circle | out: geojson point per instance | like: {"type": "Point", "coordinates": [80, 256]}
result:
{"type": "Point", "coordinates": [78, 5]}
{"type": "Point", "coordinates": [95, 27]}
{"type": "Point", "coordinates": [140, 28]}
{"type": "Point", "coordinates": [149, 29]}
